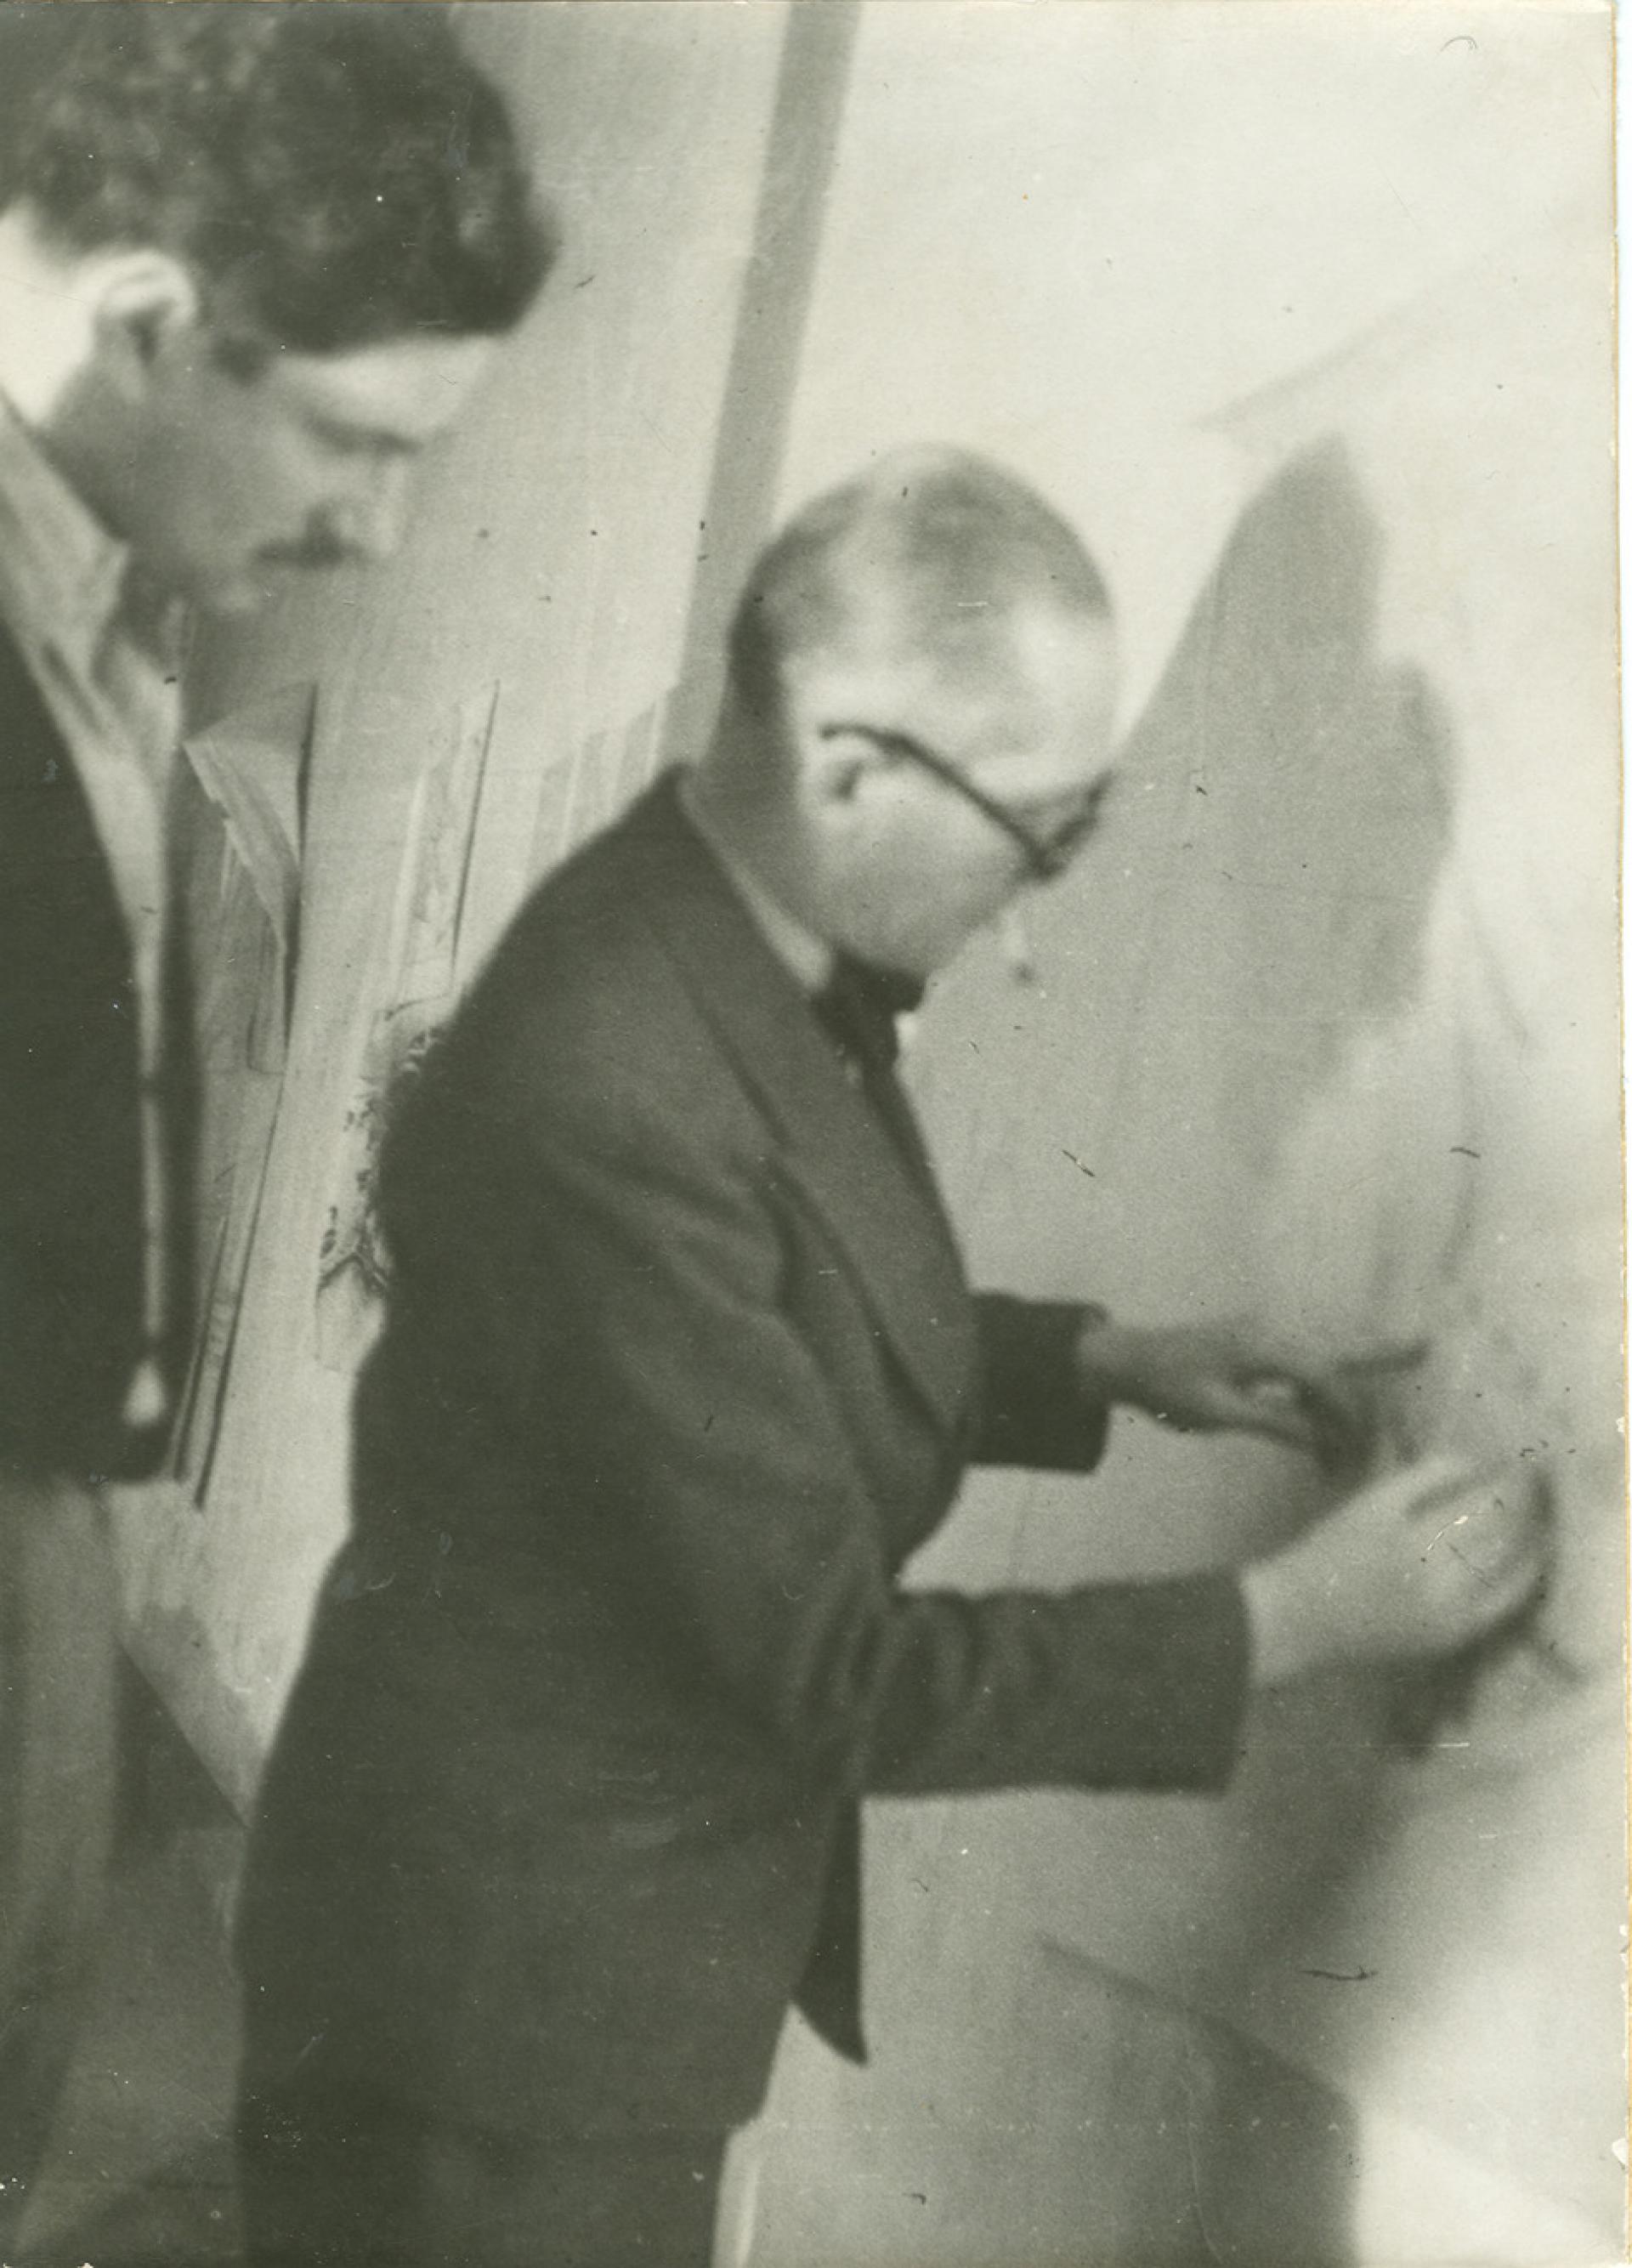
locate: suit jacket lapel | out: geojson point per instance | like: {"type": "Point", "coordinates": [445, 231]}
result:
{"type": "Point", "coordinates": [835, 1151]}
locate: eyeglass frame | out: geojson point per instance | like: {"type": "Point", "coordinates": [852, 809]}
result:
{"type": "Point", "coordinates": [1047, 857]}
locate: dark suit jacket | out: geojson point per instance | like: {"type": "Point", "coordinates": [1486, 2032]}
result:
{"type": "Point", "coordinates": [72, 1225]}
{"type": "Point", "coordinates": [680, 1369]}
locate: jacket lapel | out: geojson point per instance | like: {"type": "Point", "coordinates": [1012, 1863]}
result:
{"type": "Point", "coordinates": [835, 1153]}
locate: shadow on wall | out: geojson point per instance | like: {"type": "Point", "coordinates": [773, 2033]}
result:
{"type": "Point", "coordinates": [1316, 778]}
{"type": "Point", "coordinates": [1260, 894]}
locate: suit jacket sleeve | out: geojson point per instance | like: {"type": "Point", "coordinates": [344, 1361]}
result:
{"type": "Point", "coordinates": [1034, 1408]}
{"type": "Point", "coordinates": [616, 1282]}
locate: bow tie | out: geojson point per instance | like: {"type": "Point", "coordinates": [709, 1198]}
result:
{"type": "Point", "coordinates": [859, 1005]}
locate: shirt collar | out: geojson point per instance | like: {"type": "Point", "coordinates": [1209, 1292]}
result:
{"type": "Point", "coordinates": [807, 956]}
{"type": "Point", "coordinates": [60, 568]}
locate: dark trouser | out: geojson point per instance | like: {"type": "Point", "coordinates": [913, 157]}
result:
{"type": "Point", "coordinates": [332, 2178]}
{"type": "Point", "coordinates": [58, 1653]}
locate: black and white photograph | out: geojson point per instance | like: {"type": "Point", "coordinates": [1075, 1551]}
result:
{"type": "Point", "coordinates": [812, 1413]}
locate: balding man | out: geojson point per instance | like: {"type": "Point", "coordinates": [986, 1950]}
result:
{"type": "Point", "coordinates": [680, 1366]}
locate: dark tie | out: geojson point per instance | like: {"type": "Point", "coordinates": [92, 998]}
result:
{"type": "Point", "coordinates": [858, 1006]}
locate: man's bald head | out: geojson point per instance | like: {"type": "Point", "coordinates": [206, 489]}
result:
{"type": "Point", "coordinates": [933, 552]}
{"type": "Point", "coordinates": [921, 708]}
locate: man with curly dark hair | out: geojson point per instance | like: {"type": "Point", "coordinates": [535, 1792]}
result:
{"type": "Point", "coordinates": [252, 260]}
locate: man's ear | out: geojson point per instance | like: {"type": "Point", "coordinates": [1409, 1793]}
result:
{"type": "Point", "coordinates": [840, 760]}
{"type": "Point", "coordinates": [145, 302]}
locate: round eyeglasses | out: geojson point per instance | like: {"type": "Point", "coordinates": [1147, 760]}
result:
{"type": "Point", "coordinates": [1046, 855]}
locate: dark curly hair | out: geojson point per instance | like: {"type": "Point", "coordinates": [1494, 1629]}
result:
{"type": "Point", "coordinates": [333, 176]}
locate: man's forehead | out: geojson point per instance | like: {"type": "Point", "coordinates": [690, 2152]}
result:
{"type": "Point", "coordinates": [968, 672]}
{"type": "Point", "coordinates": [984, 642]}
{"type": "Point", "coordinates": [408, 390]}
{"type": "Point", "coordinates": [1065, 642]}
{"type": "Point", "coordinates": [1032, 721]}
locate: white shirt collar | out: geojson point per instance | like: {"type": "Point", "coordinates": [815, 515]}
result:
{"type": "Point", "coordinates": [63, 575]}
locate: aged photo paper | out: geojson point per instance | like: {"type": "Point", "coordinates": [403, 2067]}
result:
{"type": "Point", "coordinates": [1301, 313]}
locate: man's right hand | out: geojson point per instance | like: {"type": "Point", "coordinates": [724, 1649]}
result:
{"type": "Point", "coordinates": [1418, 1564]}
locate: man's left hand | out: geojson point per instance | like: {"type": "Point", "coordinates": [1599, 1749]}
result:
{"type": "Point", "coordinates": [1236, 1376]}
